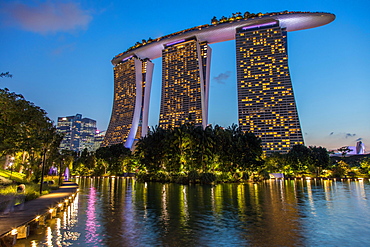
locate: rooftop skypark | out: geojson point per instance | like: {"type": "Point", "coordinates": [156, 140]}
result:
{"type": "Point", "coordinates": [292, 20]}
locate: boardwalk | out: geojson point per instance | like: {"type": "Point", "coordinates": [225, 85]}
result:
{"type": "Point", "coordinates": [31, 209]}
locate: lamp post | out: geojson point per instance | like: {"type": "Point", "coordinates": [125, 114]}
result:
{"type": "Point", "coordinates": [60, 172]}
{"type": "Point", "coordinates": [42, 170]}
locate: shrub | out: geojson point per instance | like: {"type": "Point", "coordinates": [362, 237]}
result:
{"type": "Point", "coordinates": [207, 178]}
{"type": "Point", "coordinates": [193, 176]}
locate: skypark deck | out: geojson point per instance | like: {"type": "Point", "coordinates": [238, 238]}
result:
{"type": "Point", "coordinates": [220, 32]}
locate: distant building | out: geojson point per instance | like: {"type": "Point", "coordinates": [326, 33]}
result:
{"type": "Point", "coordinates": [79, 133]}
{"type": "Point", "coordinates": [358, 149]}
{"type": "Point", "coordinates": [99, 138]}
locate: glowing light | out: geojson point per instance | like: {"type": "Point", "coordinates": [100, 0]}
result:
{"type": "Point", "coordinates": [175, 42]}
{"type": "Point", "coordinates": [51, 210]}
{"type": "Point", "coordinates": [49, 237]}
{"type": "Point", "coordinates": [259, 25]}
{"type": "Point", "coordinates": [91, 223]}
{"type": "Point", "coordinates": [127, 58]}
{"type": "Point", "coordinates": [14, 232]}
{"type": "Point", "coordinates": [60, 205]}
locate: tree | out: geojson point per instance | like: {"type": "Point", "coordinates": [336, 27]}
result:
{"type": "Point", "coordinates": [194, 150]}
{"type": "Point", "coordinates": [365, 166]}
{"type": "Point", "coordinates": [275, 162]}
{"type": "Point", "coordinates": [151, 150]}
{"type": "Point", "coordinates": [114, 156]}
{"type": "Point", "coordinates": [85, 163]}
{"type": "Point", "coordinates": [320, 159]}
{"type": "Point", "coordinates": [23, 126]}
{"type": "Point", "coordinates": [344, 150]}
{"type": "Point", "coordinates": [340, 169]}
{"type": "Point", "coordinates": [299, 158]}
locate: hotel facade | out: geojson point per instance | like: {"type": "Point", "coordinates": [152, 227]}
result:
{"type": "Point", "coordinates": [266, 104]}
{"type": "Point", "coordinates": [185, 83]}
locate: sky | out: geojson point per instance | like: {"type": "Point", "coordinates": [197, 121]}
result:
{"type": "Point", "coordinates": [59, 53]}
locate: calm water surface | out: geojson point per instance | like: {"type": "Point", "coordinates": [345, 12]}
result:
{"type": "Point", "coordinates": [123, 212]}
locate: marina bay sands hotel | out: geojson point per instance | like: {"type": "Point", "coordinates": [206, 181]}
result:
{"type": "Point", "coordinates": [266, 104]}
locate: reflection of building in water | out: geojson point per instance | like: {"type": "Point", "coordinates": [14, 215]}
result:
{"type": "Point", "coordinates": [274, 210]}
{"type": "Point", "coordinates": [92, 235]}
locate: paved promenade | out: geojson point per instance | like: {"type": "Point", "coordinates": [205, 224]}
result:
{"type": "Point", "coordinates": [33, 208]}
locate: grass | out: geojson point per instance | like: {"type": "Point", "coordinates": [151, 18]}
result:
{"type": "Point", "coordinates": [16, 176]}
{"type": "Point", "coordinates": [32, 190]}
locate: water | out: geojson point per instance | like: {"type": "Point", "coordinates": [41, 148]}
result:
{"type": "Point", "coordinates": [123, 212]}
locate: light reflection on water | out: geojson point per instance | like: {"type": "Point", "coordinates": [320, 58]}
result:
{"type": "Point", "coordinates": [123, 212]}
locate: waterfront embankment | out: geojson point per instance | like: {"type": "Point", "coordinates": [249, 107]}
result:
{"type": "Point", "coordinates": [23, 218]}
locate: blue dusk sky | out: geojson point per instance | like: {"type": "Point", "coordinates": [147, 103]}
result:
{"type": "Point", "coordinates": [60, 52]}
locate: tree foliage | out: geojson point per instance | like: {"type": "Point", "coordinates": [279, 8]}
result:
{"type": "Point", "coordinates": [344, 150]}
{"type": "Point", "coordinates": [26, 133]}
{"type": "Point", "coordinates": [188, 148]}
{"type": "Point", "coordinates": [112, 157]}
{"type": "Point", "coordinates": [23, 125]}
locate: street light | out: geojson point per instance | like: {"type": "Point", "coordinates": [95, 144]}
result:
{"type": "Point", "coordinates": [43, 170]}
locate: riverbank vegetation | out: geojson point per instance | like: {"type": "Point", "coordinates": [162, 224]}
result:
{"type": "Point", "coordinates": [187, 154]}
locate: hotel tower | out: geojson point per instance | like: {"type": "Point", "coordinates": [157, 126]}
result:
{"type": "Point", "coordinates": [266, 104]}
{"type": "Point", "coordinates": [132, 82]}
{"type": "Point", "coordinates": [185, 83]}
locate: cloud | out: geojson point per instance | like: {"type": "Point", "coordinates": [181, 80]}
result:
{"type": "Point", "coordinates": [221, 78]}
{"type": "Point", "coordinates": [48, 17]}
{"type": "Point", "coordinates": [64, 48]}
{"type": "Point", "coordinates": [350, 135]}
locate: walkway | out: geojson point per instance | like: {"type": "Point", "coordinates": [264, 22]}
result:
{"type": "Point", "coordinates": [31, 209]}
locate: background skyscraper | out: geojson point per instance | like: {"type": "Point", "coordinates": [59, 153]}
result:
{"type": "Point", "coordinates": [79, 133]}
{"type": "Point", "coordinates": [266, 102]}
